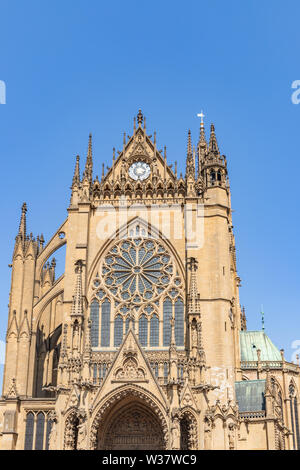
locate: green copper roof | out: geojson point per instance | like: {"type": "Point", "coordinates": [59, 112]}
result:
{"type": "Point", "coordinates": [251, 341]}
{"type": "Point", "coordinates": [250, 395]}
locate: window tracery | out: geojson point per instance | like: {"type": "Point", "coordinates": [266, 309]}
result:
{"type": "Point", "coordinates": [139, 279]}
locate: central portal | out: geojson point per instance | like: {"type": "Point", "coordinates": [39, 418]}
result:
{"type": "Point", "coordinates": [133, 427]}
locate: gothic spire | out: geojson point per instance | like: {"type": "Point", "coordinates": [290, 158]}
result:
{"type": "Point", "coordinates": [76, 177]}
{"type": "Point", "coordinates": [190, 167]}
{"type": "Point", "coordinates": [202, 144]}
{"type": "Point", "coordinates": [89, 161]}
{"type": "Point", "coordinates": [22, 226]}
{"type": "Point", "coordinates": [213, 144]}
{"type": "Point", "coordinates": [189, 145]}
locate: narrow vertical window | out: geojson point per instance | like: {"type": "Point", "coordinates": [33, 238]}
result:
{"type": "Point", "coordinates": [118, 331]}
{"type": "Point", "coordinates": [105, 323]}
{"type": "Point", "coordinates": [166, 371]}
{"type": "Point", "coordinates": [154, 331]}
{"type": "Point", "coordinates": [48, 430]}
{"type": "Point", "coordinates": [292, 420]}
{"type": "Point", "coordinates": [143, 330]}
{"type": "Point", "coordinates": [95, 374]}
{"type": "Point", "coordinates": [39, 433]}
{"type": "Point", "coordinates": [94, 315]}
{"type": "Point", "coordinates": [179, 325]}
{"type": "Point", "coordinates": [167, 325]}
{"type": "Point", "coordinates": [29, 431]}
{"type": "Point", "coordinates": [297, 423]}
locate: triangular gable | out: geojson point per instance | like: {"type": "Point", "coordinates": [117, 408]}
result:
{"type": "Point", "coordinates": [73, 399]}
{"type": "Point", "coordinates": [130, 366]}
{"type": "Point", "coordinates": [141, 145]}
{"type": "Point", "coordinates": [187, 398]}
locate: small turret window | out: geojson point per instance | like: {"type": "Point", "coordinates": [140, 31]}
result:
{"type": "Point", "coordinates": [212, 177]}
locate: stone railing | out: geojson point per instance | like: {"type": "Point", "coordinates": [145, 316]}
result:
{"type": "Point", "coordinates": [252, 414]}
{"type": "Point", "coordinates": [262, 364]}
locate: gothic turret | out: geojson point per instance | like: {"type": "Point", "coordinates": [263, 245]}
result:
{"type": "Point", "coordinates": [213, 165]}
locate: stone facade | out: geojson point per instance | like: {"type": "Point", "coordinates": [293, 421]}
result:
{"type": "Point", "coordinates": [137, 344]}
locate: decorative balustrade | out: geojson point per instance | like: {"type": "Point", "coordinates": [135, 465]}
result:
{"type": "Point", "coordinates": [262, 364]}
{"type": "Point", "coordinates": [252, 414]}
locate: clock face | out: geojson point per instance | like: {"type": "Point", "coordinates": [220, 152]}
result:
{"type": "Point", "coordinates": [139, 171]}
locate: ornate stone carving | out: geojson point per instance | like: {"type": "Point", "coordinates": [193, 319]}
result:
{"type": "Point", "coordinates": [133, 391]}
{"type": "Point", "coordinates": [12, 391]}
{"type": "Point", "coordinates": [53, 433]}
{"type": "Point", "coordinates": [130, 371]}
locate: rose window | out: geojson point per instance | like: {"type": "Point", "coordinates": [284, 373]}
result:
{"type": "Point", "coordinates": [137, 270]}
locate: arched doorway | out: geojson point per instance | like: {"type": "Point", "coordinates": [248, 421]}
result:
{"type": "Point", "coordinates": [132, 426]}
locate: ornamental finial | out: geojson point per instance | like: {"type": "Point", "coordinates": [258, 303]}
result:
{"type": "Point", "coordinates": [140, 118]}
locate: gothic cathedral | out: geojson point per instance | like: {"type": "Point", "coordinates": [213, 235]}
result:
{"type": "Point", "coordinates": [142, 342]}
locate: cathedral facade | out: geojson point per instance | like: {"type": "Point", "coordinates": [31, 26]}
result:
{"type": "Point", "coordinates": [142, 342]}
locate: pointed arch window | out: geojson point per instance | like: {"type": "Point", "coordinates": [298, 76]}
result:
{"type": "Point", "coordinates": [143, 330]}
{"type": "Point", "coordinates": [94, 315]}
{"type": "Point", "coordinates": [212, 177]}
{"type": "Point", "coordinates": [297, 422]}
{"type": "Point", "coordinates": [294, 416]}
{"type": "Point", "coordinates": [118, 331]}
{"type": "Point", "coordinates": [105, 323]}
{"type": "Point", "coordinates": [48, 430]}
{"type": "Point", "coordinates": [167, 315]}
{"type": "Point", "coordinates": [154, 331]}
{"type": "Point", "coordinates": [39, 436]}
{"type": "Point", "coordinates": [29, 431]}
{"type": "Point", "coordinates": [179, 324]}
{"type": "Point", "coordinates": [166, 372]}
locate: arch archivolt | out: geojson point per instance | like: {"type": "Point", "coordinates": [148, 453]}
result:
{"type": "Point", "coordinates": [189, 423]}
{"type": "Point", "coordinates": [127, 394]}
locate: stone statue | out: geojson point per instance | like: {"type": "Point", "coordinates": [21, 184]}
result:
{"type": "Point", "coordinates": [82, 436]}
{"type": "Point", "coordinates": [53, 432]}
{"type": "Point", "coordinates": [175, 435]}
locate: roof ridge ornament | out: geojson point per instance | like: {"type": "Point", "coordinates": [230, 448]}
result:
{"type": "Point", "coordinates": [140, 118]}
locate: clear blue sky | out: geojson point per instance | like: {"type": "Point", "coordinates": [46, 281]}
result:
{"type": "Point", "coordinates": [74, 67]}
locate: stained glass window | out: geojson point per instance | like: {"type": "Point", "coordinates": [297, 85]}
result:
{"type": "Point", "coordinates": [154, 331]}
{"type": "Point", "coordinates": [39, 435]}
{"type": "Point", "coordinates": [143, 330]}
{"type": "Point", "coordinates": [29, 431]}
{"type": "Point", "coordinates": [179, 327]}
{"type": "Point", "coordinates": [118, 331]}
{"type": "Point", "coordinates": [94, 315]}
{"type": "Point", "coordinates": [297, 423]}
{"type": "Point", "coordinates": [167, 325]}
{"type": "Point", "coordinates": [105, 323]}
{"type": "Point", "coordinates": [48, 430]}
{"type": "Point", "coordinates": [137, 269]}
